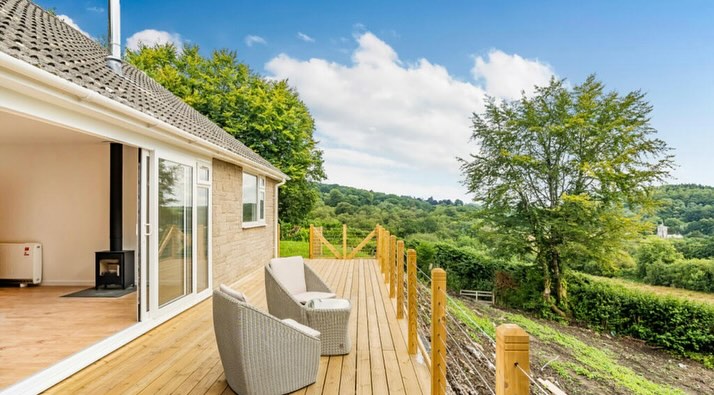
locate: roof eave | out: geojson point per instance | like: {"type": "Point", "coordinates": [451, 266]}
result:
{"type": "Point", "coordinates": [77, 92]}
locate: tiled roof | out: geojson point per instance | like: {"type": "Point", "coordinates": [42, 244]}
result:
{"type": "Point", "coordinates": [31, 34]}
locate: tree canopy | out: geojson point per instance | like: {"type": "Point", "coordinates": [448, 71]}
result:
{"type": "Point", "coordinates": [564, 174]}
{"type": "Point", "coordinates": [267, 116]}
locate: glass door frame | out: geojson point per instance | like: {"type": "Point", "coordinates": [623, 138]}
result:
{"type": "Point", "coordinates": [149, 299]}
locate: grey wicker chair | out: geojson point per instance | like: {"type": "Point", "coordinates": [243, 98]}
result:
{"type": "Point", "coordinates": [331, 323]}
{"type": "Point", "coordinates": [261, 354]}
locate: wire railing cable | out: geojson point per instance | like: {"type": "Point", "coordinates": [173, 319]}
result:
{"type": "Point", "coordinates": [535, 383]}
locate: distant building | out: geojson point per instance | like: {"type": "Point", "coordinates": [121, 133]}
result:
{"type": "Point", "coordinates": [663, 232]}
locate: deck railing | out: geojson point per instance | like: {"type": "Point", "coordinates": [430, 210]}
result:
{"type": "Point", "coordinates": [511, 366]}
{"type": "Point", "coordinates": [512, 343]}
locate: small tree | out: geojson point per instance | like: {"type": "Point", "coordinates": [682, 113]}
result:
{"type": "Point", "coordinates": [563, 174]}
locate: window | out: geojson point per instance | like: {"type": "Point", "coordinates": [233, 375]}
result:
{"type": "Point", "coordinates": [253, 200]}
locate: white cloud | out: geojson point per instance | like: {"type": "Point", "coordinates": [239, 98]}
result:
{"type": "Point", "coordinates": [506, 76]}
{"type": "Point", "coordinates": [387, 124]}
{"type": "Point", "coordinates": [69, 21]}
{"type": "Point", "coordinates": [152, 37]}
{"type": "Point", "coordinates": [252, 40]}
{"type": "Point", "coordinates": [304, 37]}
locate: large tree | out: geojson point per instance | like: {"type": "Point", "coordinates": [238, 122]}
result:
{"type": "Point", "coordinates": [267, 116]}
{"type": "Point", "coordinates": [565, 173]}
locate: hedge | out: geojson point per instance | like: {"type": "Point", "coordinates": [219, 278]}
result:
{"type": "Point", "coordinates": [673, 323]}
{"type": "Point", "coordinates": [693, 274]}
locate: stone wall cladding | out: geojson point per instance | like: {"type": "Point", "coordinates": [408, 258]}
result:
{"type": "Point", "coordinates": [237, 251]}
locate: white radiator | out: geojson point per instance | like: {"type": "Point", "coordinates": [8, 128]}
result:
{"type": "Point", "coordinates": [21, 262]}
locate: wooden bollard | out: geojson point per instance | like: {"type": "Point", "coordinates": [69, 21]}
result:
{"type": "Point", "coordinates": [400, 279]}
{"type": "Point", "coordinates": [438, 331]}
{"type": "Point", "coordinates": [391, 273]}
{"type": "Point", "coordinates": [412, 296]}
{"type": "Point", "coordinates": [512, 348]}
{"type": "Point", "coordinates": [344, 241]}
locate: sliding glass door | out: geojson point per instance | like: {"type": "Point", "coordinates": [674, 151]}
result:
{"type": "Point", "coordinates": [175, 229]}
{"type": "Point", "coordinates": [175, 232]}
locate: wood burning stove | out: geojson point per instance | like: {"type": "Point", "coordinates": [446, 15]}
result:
{"type": "Point", "coordinates": [115, 266]}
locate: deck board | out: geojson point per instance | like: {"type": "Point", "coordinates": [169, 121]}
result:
{"type": "Point", "coordinates": [181, 357]}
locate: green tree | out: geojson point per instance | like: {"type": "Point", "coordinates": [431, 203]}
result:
{"type": "Point", "coordinates": [267, 116]}
{"type": "Point", "coordinates": [563, 173]}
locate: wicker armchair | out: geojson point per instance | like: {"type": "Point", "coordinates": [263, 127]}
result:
{"type": "Point", "coordinates": [261, 354]}
{"type": "Point", "coordinates": [332, 323]}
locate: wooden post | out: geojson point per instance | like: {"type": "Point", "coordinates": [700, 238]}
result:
{"type": "Point", "coordinates": [311, 242]}
{"type": "Point", "coordinates": [390, 261]}
{"type": "Point", "coordinates": [438, 331]}
{"type": "Point", "coordinates": [344, 241]}
{"type": "Point", "coordinates": [393, 267]}
{"type": "Point", "coordinates": [512, 346]}
{"type": "Point", "coordinates": [400, 279]}
{"type": "Point", "coordinates": [412, 296]}
{"type": "Point", "coordinates": [385, 257]}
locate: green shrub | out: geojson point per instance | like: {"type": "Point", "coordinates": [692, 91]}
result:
{"type": "Point", "coordinates": [467, 267]}
{"type": "Point", "coordinates": [693, 274]}
{"type": "Point", "coordinates": [673, 323]}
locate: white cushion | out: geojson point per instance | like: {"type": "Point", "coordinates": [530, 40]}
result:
{"type": "Point", "coordinates": [233, 293]}
{"type": "Point", "coordinates": [305, 297]}
{"type": "Point", "coordinates": [290, 272]}
{"type": "Point", "coordinates": [330, 304]}
{"type": "Point", "coordinates": [302, 328]}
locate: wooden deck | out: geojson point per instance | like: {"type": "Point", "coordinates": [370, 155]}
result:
{"type": "Point", "coordinates": [180, 356]}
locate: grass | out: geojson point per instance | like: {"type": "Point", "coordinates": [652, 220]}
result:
{"type": "Point", "coordinates": [302, 248]}
{"type": "Point", "coordinates": [293, 248]}
{"type": "Point", "coordinates": [694, 296]}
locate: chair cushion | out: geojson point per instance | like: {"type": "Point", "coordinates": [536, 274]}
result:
{"type": "Point", "coordinates": [305, 297]}
{"type": "Point", "coordinates": [330, 304]}
{"type": "Point", "coordinates": [290, 272]}
{"type": "Point", "coordinates": [302, 328]}
{"type": "Point", "coordinates": [233, 293]}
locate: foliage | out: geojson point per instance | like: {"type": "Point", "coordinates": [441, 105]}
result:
{"type": "Point", "coordinates": [687, 209]}
{"type": "Point", "coordinates": [562, 174]}
{"type": "Point", "coordinates": [673, 323]}
{"type": "Point", "coordinates": [694, 274]}
{"type": "Point", "coordinates": [654, 251]}
{"type": "Point", "coordinates": [267, 116]}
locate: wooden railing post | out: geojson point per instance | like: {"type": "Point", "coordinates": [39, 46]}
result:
{"type": "Point", "coordinates": [391, 261]}
{"type": "Point", "coordinates": [311, 242]}
{"type": "Point", "coordinates": [344, 241]}
{"type": "Point", "coordinates": [400, 279]}
{"type": "Point", "coordinates": [438, 331]}
{"type": "Point", "coordinates": [512, 348]}
{"type": "Point", "coordinates": [385, 258]}
{"type": "Point", "coordinates": [412, 296]}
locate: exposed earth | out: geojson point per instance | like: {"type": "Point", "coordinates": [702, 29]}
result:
{"type": "Point", "coordinates": [564, 355]}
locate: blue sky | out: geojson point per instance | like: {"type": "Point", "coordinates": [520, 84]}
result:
{"type": "Point", "coordinates": [392, 84]}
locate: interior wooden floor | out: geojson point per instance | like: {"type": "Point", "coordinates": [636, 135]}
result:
{"type": "Point", "coordinates": [38, 327]}
{"type": "Point", "coordinates": [180, 356]}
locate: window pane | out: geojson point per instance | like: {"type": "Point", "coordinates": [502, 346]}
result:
{"type": "Point", "coordinates": [250, 198]}
{"type": "Point", "coordinates": [262, 205]}
{"type": "Point", "coordinates": [203, 173]}
{"type": "Point", "coordinates": [175, 230]}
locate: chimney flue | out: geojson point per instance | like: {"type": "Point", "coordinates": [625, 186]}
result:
{"type": "Point", "coordinates": [114, 58]}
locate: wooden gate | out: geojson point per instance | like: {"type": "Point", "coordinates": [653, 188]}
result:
{"type": "Point", "coordinates": [319, 243]}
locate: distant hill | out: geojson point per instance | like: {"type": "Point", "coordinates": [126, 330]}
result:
{"type": "Point", "coordinates": [687, 209]}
